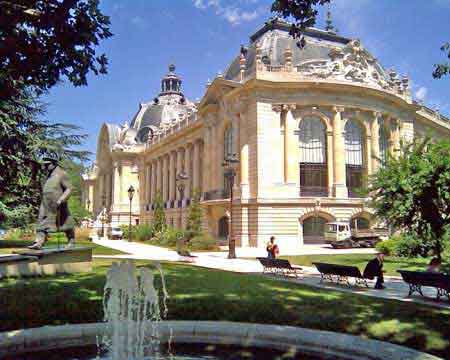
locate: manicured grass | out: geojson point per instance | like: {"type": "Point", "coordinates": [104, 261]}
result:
{"type": "Point", "coordinates": [204, 294]}
{"type": "Point", "coordinates": [8, 246]}
{"type": "Point", "coordinates": [391, 263]}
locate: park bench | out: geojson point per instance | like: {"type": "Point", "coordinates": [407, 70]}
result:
{"type": "Point", "coordinates": [340, 273]}
{"type": "Point", "coordinates": [417, 279]}
{"type": "Point", "coordinates": [279, 267]}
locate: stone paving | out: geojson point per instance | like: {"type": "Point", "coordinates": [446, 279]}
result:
{"type": "Point", "coordinates": [395, 287]}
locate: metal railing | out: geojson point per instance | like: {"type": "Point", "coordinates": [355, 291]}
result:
{"type": "Point", "coordinates": [314, 191]}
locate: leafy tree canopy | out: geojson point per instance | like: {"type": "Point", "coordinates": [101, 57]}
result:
{"type": "Point", "coordinates": [412, 191]}
{"type": "Point", "coordinates": [304, 13]}
{"type": "Point", "coordinates": [24, 141]}
{"type": "Point", "coordinates": [44, 41]}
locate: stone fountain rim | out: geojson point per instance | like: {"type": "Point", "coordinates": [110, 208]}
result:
{"type": "Point", "coordinates": [279, 337]}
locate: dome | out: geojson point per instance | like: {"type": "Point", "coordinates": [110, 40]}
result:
{"type": "Point", "coordinates": [325, 55]}
{"type": "Point", "coordinates": [169, 107]}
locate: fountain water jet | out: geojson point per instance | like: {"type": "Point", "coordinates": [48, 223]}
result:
{"type": "Point", "coordinates": [132, 310]}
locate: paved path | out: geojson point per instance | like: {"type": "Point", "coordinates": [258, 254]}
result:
{"type": "Point", "coordinates": [395, 287]}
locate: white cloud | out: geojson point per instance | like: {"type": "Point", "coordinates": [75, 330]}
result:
{"type": "Point", "coordinates": [421, 93]}
{"type": "Point", "coordinates": [138, 21]}
{"type": "Point", "coordinates": [232, 13]}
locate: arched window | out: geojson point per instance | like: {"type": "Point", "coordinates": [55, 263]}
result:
{"type": "Point", "coordinates": [354, 157]}
{"type": "Point", "coordinates": [228, 142]}
{"type": "Point", "coordinates": [382, 142]}
{"type": "Point", "coordinates": [313, 157]}
{"type": "Point", "coordinates": [228, 152]}
{"type": "Point", "coordinates": [314, 229]}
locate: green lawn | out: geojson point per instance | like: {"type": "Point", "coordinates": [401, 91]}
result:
{"type": "Point", "coordinates": [8, 246]}
{"type": "Point", "coordinates": [205, 294]}
{"type": "Point", "coordinates": [391, 263]}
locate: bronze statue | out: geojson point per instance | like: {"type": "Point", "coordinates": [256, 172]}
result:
{"type": "Point", "coordinates": [54, 215]}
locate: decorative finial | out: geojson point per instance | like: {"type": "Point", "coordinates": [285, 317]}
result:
{"type": "Point", "coordinates": [171, 67]}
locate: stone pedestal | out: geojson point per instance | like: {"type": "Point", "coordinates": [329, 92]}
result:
{"type": "Point", "coordinates": [48, 261]}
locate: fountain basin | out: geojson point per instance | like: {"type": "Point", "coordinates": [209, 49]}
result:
{"type": "Point", "coordinates": [284, 338]}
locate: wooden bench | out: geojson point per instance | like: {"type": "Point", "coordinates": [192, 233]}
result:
{"type": "Point", "coordinates": [417, 279]}
{"type": "Point", "coordinates": [340, 274]}
{"type": "Point", "coordinates": [279, 267]}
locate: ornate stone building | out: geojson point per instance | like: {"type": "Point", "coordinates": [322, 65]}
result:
{"type": "Point", "coordinates": [307, 125]}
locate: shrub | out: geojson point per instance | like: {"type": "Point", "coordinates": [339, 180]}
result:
{"type": "Point", "coordinates": [168, 237]}
{"type": "Point", "coordinates": [387, 247]}
{"type": "Point", "coordinates": [13, 235]}
{"type": "Point", "coordinates": [404, 245]}
{"type": "Point", "coordinates": [82, 234]}
{"type": "Point", "coordinates": [203, 242]}
{"type": "Point", "coordinates": [142, 232]}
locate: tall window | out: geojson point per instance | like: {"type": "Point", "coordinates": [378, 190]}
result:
{"type": "Point", "coordinates": [313, 157]}
{"type": "Point", "coordinates": [228, 151]}
{"type": "Point", "coordinates": [354, 157]}
{"type": "Point", "coordinates": [382, 141]}
{"type": "Point", "coordinates": [228, 142]}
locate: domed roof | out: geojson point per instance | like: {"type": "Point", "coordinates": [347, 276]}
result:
{"type": "Point", "coordinates": [169, 107]}
{"type": "Point", "coordinates": [325, 55]}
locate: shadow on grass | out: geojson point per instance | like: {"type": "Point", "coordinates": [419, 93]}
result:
{"type": "Point", "coordinates": [204, 294]}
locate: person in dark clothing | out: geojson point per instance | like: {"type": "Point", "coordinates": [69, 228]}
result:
{"type": "Point", "coordinates": [374, 268]}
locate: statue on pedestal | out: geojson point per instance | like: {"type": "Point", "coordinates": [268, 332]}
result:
{"type": "Point", "coordinates": [54, 215]}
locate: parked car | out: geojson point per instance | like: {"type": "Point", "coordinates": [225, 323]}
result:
{"type": "Point", "coordinates": [339, 235]}
{"type": "Point", "coordinates": [115, 233]}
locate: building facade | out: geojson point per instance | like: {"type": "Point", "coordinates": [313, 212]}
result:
{"type": "Point", "coordinates": [308, 127]}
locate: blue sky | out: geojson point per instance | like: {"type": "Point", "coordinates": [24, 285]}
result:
{"type": "Point", "coordinates": [202, 37]}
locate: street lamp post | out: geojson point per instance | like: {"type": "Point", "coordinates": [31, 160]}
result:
{"type": "Point", "coordinates": [130, 196]}
{"type": "Point", "coordinates": [230, 164]}
{"type": "Point", "coordinates": [181, 180]}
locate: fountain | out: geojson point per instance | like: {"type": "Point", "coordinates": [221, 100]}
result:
{"type": "Point", "coordinates": [132, 311]}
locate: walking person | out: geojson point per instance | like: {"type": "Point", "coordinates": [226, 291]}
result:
{"type": "Point", "coordinates": [374, 268]}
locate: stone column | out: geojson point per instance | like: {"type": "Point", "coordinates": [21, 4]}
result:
{"type": "Point", "coordinates": [187, 170]}
{"type": "Point", "coordinates": [196, 167]}
{"type": "Point", "coordinates": [117, 175]}
{"type": "Point", "coordinates": [172, 176]}
{"type": "Point", "coordinates": [158, 176]}
{"type": "Point", "coordinates": [244, 150]}
{"type": "Point", "coordinates": [330, 162]}
{"type": "Point", "coordinates": [368, 152]}
{"type": "Point", "coordinates": [375, 130]}
{"type": "Point", "coordinates": [291, 153]}
{"type": "Point", "coordinates": [396, 136]}
{"type": "Point", "coordinates": [206, 160]}
{"type": "Point", "coordinates": [153, 185]}
{"type": "Point", "coordinates": [179, 169]}
{"type": "Point", "coordinates": [165, 178]}
{"type": "Point", "coordinates": [340, 185]}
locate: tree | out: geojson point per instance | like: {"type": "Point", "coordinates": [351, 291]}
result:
{"type": "Point", "coordinates": [305, 12]}
{"type": "Point", "coordinates": [74, 171]}
{"type": "Point", "coordinates": [194, 221]}
{"type": "Point", "coordinates": [159, 217]}
{"type": "Point", "coordinates": [24, 141]}
{"type": "Point", "coordinates": [41, 43]}
{"type": "Point", "coordinates": [412, 191]}
{"type": "Point", "coordinates": [45, 41]}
